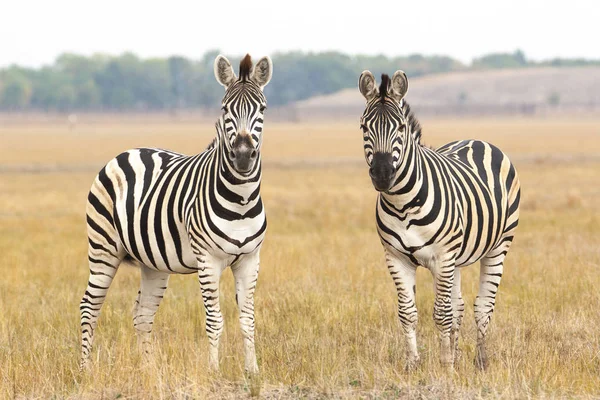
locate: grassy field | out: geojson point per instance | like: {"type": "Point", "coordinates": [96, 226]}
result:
{"type": "Point", "coordinates": [326, 306]}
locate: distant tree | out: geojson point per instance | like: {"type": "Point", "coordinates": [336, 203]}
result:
{"type": "Point", "coordinates": [87, 95]}
{"type": "Point", "coordinates": [177, 71]}
{"type": "Point", "coordinates": [519, 57]}
{"type": "Point", "coordinates": [46, 86]}
{"type": "Point", "coordinates": [16, 89]}
{"type": "Point", "coordinates": [298, 76]}
{"type": "Point", "coordinates": [118, 82]}
{"type": "Point", "coordinates": [78, 89]}
{"type": "Point", "coordinates": [66, 98]}
{"type": "Point", "coordinates": [153, 85]}
{"type": "Point", "coordinates": [501, 60]}
{"type": "Point", "coordinates": [574, 62]}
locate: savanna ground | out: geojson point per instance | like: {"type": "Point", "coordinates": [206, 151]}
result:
{"type": "Point", "coordinates": [326, 305]}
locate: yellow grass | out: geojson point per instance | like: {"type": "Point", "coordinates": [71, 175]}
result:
{"type": "Point", "coordinates": [326, 306]}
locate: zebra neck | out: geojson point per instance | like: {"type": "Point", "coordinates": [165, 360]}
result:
{"type": "Point", "coordinates": [410, 184]}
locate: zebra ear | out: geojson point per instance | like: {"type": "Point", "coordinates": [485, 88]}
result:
{"type": "Point", "coordinates": [262, 72]}
{"type": "Point", "coordinates": [366, 85]}
{"type": "Point", "coordinates": [399, 85]}
{"type": "Point", "coordinates": [224, 71]}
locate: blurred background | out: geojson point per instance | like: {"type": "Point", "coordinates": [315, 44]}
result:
{"type": "Point", "coordinates": [81, 82]}
{"type": "Point", "coordinates": [467, 59]}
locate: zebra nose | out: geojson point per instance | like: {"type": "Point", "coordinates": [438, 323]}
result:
{"type": "Point", "coordinates": [382, 170]}
{"type": "Point", "coordinates": [242, 153]}
{"type": "Point", "coordinates": [372, 172]}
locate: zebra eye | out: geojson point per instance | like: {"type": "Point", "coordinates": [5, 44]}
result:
{"type": "Point", "coordinates": [364, 128]}
{"type": "Point", "coordinates": [225, 109]}
{"type": "Point", "coordinates": [263, 108]}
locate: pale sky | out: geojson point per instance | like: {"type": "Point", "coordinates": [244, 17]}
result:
{"type": "Point", "coordinates": [33, 33]}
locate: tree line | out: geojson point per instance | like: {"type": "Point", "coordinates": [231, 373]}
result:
{"type": "Point", "coordinates": [128, 83]}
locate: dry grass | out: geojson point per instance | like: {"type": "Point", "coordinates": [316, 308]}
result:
{"type": "Point", "coordinates": [326, 312]}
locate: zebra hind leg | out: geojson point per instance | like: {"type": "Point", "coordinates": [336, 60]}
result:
{"type": "Point", "coordinates": [103, 267]}
{"type": "Point", "coordinates": [458, 309]}
{"type": "Point", "coordinates": [491, 268]}
{"type": "Point", "coordinates": [153, 286]}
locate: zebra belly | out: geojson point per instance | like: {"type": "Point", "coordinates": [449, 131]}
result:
{"type": "Point", "coordinates": [162, 246]}
{"type": "Point", "coordinates": [474, 253]}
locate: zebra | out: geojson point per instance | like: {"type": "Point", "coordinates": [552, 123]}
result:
{"type": "Point", "coordinates": [178, 214]}
{"type": "Point", "coordinates": [440, 209]}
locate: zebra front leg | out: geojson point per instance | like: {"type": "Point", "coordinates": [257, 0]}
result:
{"type": "Point", "coordinates": [458, 308]}
{"type": "Point", "coordinates": [209, 275]}
{"type": "Point", "coordinates": [491, 267]}
{"type": "Point", "coordinates": [443, 275]}
{"type": "Point", "coordinates": [153, 286]}
{"type": "Point", "coordinates": [404, 275]}
{"type": "Point", "coordinates": [245, 273]}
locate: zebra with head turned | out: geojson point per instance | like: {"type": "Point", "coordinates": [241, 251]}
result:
{"type": "Point", "coordinates": [177, 214]}
{"type": "Point", "coordinates": [441, 209]}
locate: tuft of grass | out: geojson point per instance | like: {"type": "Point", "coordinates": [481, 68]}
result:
{"type": "Point", "coordinates": [325, 304]}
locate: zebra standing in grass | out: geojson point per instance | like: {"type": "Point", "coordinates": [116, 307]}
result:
{"type": "Point", "coordinates": [441, 209]}
{"type": "Point", "coordinates": [177, 214]}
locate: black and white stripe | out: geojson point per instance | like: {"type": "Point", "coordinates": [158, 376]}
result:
{"type": "Point", "coordinates": [441, 209]}
{"type": "Point", "coordinates": [185, 214]}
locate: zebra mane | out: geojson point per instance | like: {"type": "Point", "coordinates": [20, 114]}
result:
{"type": "Point", "coordinates": [211, 145]}
{"type": "Point", "coordinates": [245, 67]}
{"type": "Point", "coordinates": [220, 129]}
{"type": "Point", "coordinates": [411, 121]}
{"type": "Point", "coordinates": [383, 88]}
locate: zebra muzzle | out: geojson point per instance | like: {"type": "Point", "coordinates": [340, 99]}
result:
{"type": "Point", "coordinates": [243, 155]}
{"type": "Point", "coordinates": [382, 171]}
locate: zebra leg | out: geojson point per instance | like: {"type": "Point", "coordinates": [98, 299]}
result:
{"type": "Point", "coordinates": [136, 304]}
{"type": "Point", "coordinates": [153, 286]}
{"type": "Point", "coordinates": [458, 308]}
{"type": "Point", "coordinates": [209, 275]}
{"type": "Point", "coordinates": [245, 273]}
{"type": "Point", "coordinates": [103, 267]}
{"type": "Point", "coordinates": [404, 275]}
{"type": "Point", "coordinates": [491, 267]}
{"type": "Point", "coordinates": [443, 275]}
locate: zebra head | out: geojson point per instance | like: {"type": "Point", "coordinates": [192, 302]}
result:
{"type": "Point", "coordinates": [383, 125]}
{"type": "Point", "coordinates": [243, 108]}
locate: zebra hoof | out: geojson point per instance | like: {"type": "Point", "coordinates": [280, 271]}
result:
{"type": "Point", "coordinates": [412, 364]}
{"type": "Point", "coordinates": [213, 367]}
{"type": "Point", "coordinates": [448, 366]}
{"type": "Point", "coordinates": [254, 382]}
